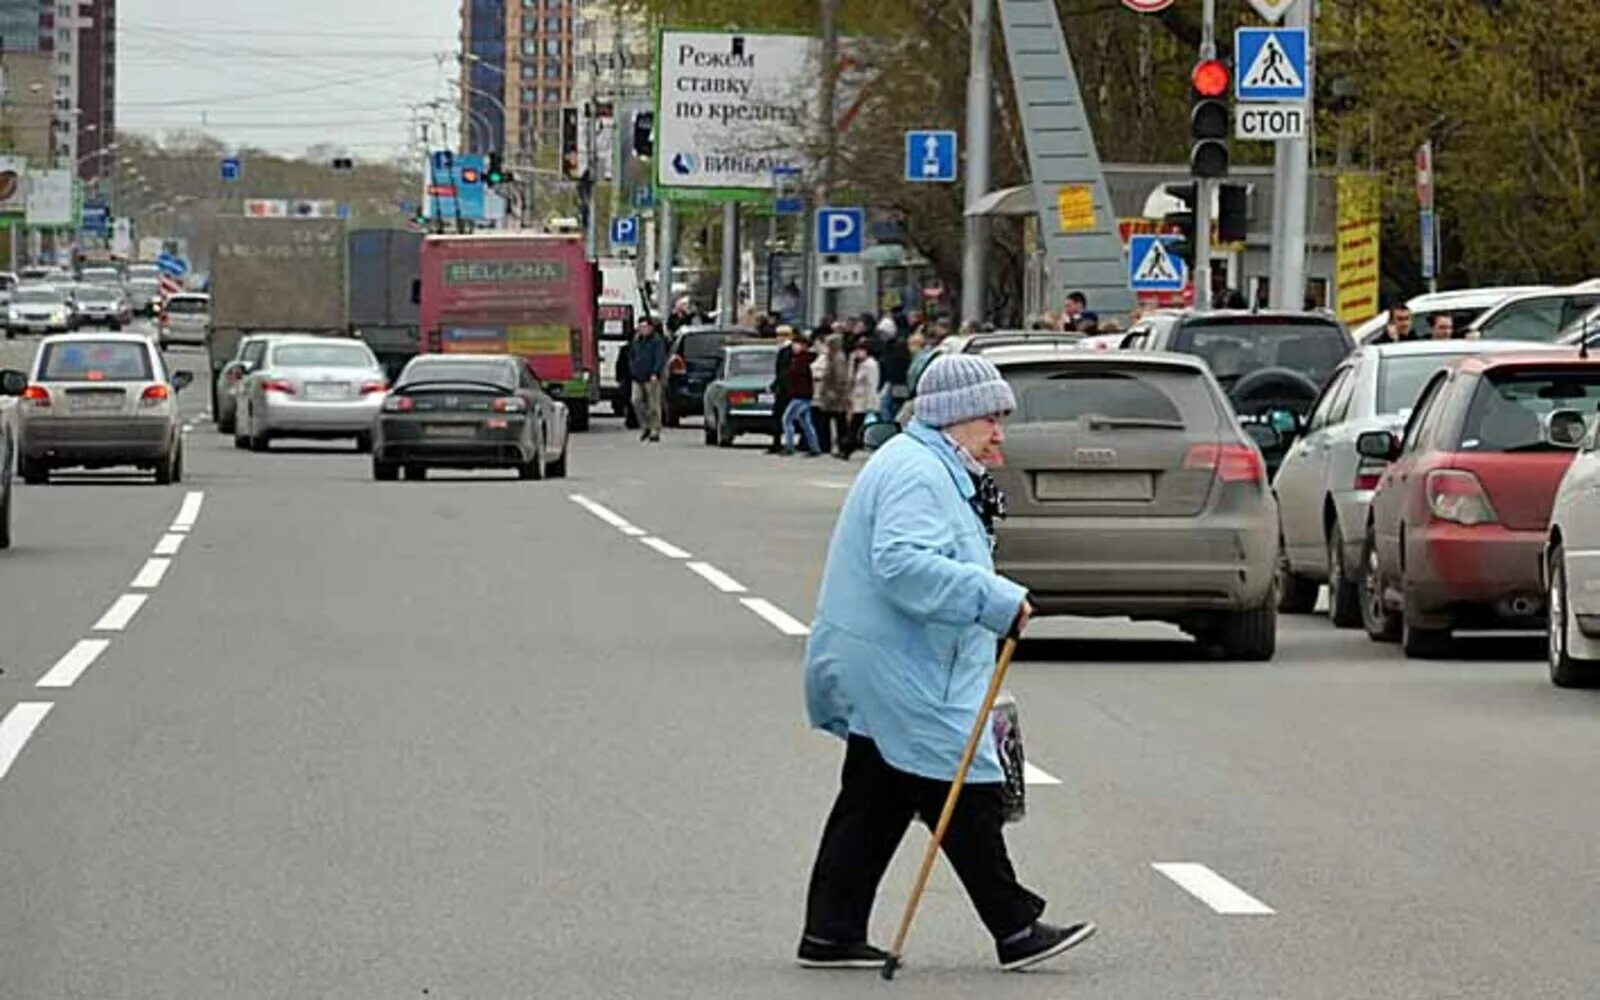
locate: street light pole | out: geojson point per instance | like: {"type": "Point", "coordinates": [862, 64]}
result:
{"type": "Point", "coordinates": [1203, 185]}
{"type": "Point", "coordinates": [980, 101]}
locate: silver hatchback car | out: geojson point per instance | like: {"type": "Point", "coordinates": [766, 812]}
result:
{"type": "Point", "coordinates": [310, 387]}
{"type": "Point", "coordinates": [97, 401]}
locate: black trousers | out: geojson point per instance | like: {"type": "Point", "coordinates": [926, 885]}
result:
{"type": "Point", "coordinates": [875, 805]}
{"type": "Point", "coordinates": [855, 422]}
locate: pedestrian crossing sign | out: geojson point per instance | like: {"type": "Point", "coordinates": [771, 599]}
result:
{"type": "Point", "coordinates": [1273, 62]}
{"type": "Point", "coordinates": [1153, 267]}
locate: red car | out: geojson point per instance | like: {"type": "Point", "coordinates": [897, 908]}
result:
{"type": "Point", "coordinates": [1456, 529]}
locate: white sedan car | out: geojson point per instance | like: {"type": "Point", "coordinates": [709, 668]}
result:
{"type": "Point", "coordinates": [1572, 564]}
{"type": "Point", "coordinates": [310, 387]}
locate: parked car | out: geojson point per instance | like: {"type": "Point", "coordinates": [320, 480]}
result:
{"type": "Point", "coordinates": [39, 309]}
{"type": "Point", "coordinates": [1323, 486]}
{"type": "Point", "coordinates": [1464, 306]}
{"type": "Point", "coordinates": [12, 383]}
{"type": "Point", "coordinates": [691, 365]}
{"type": "Point", "coordinates": [102, 305]}
{"type": "Point", "coordinates": [185, 319]}
{"type": "Point", "coordinates": [100, 276]}
{"type": "Point", "coordinates": [1572, 572]}
{"type": "Point", "coordinates": [247, 357]}
{"type": "Point", "coordinates": [310, 387]}
{"type": "Point", "coordinates": [8, 284]}
{"type": "Point", "coordinates": [1272, 365]}
{"type": "Point", "coordinates": [1457, 528]}
{"type": "Point", "coordinates": [97, 401]}
{"type": "Point", "coordinates": [740, 399]}
{"type": "Point", "coordinates": [1538, 317]}
{"type": "Point", "coordinates": [142, 272]}
{"type": "Point", "coordinates": [145, 295]}
{"type": "Point", "coordinates": [1133, 490]}
{"type": "Point", "coordinates": [470, 411]}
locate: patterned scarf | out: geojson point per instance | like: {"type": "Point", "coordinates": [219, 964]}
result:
{"type": "Point", "coordinates": [989, 501]}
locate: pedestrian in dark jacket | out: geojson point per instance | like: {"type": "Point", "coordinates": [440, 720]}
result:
{"type": "Point", "coordinates": [897, 665]}
{"type": "Point", "coordinates": [797, 415]}
{"type": "Point", "coordinates": [648, 365]}
{"type": "Point", "coordinates": [624, 376]}
{"type": "Point", "coordinates": [780, 385]}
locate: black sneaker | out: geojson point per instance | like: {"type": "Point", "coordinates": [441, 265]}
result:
{"type": "Point", "coordinates": [827, 955]}
{"type": "Point", "coordinates": [1043, 942]}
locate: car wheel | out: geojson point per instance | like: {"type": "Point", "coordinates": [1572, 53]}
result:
{"type": "Point", "coordinates": [225, 425]}
{"type": "Point", "coordinates": [259, 440]}
{"type": "Point", "coordinates": [1382, 625]}
{"type": "Point", "coordinates": [558, 468]}
{"type": "Point", "coordinates": [710, 430]}
{"type": "Point", "coordinates": [1297, 593]}
{"type": "Point", "coordinates": [240, 441]}
{"type": "Point", "coordinates": [669, 414]}
{"type": "Point", "coordinates": [364, 442]}
{"type": "Point", "coordinates": [166, 469]}
{"type": "Point", "coordinates": [385, 472]}
{"type": "Point", "coordinates": [416, 473]}
{"type": "Point", "coordinates": [578, 417]}
{"type": "Point", "coordinates": [1566, 670]}
{"type": "Point", "coordinates": [1344, 597]}
{"type": "Point", "coordinates": [1250, 634]}
{"type": "Point", "coordinates": [726, 434]}
{"type": "Point", "coordinates": [177, 464]}
{"type": "Point", "coordinates": [533, 468]}
{"type": "Point", "coordinates": [115, 327]}
{"type": "Point", "coordinates": [32, 473]}
{"type": "Point", "coordinates": [5, 520]}
{"type": "Point", "coordinates": [1423, 643]}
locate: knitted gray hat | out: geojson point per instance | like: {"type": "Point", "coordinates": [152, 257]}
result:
{"type": "Point", "coordinates": [958, 387]}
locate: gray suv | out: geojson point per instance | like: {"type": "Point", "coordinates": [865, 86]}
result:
{"type": "Point", "coordinates": [12, 383]}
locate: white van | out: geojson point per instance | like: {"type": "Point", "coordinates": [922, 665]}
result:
{"type": "Point", "coordinates": [621, 304]}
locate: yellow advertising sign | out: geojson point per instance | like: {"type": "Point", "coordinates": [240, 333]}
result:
{"type": "Point", "coordinates": [1356, 251]}
{"type": "Point", "coordinates": [1075, 207]}
{"type": "Point", "coordinates": [538, 341]}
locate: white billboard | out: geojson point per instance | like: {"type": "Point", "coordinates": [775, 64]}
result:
{"type": "Point", "coordinates": [50, 199]}
{"type": "Point", "coordinates": [13, 185]}
{"type": "Point", "coordinates": [731, 107]}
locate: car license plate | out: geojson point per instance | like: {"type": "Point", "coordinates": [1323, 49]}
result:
{"type": "Point", "coordinates": [97, 401]}
{"type": "Point", "coordinates": [766, 399]}
{"type": "Point", "coordinates": [327, 390]}
{"type": "Point", "coordinates": [452, 430]}
{"type": "Point", "coordinates": [1092, 486]}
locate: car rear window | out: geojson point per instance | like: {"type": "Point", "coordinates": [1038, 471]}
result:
{"type": "Point", "coordinates": [1508, 407]}
{"type": "Point", "coordinates": [322, 356]}
{"type": "Point", "coordinates": [1235, 349]}
{"type": "Point", "coordinates": [493, 373]}
{"type": "Point", "coordinates": [95, 361]}
{"type": "Point", "coordinates": [1062, 394]}
{"type": "Point", "coordinates": [752, 363]}
{"type": "Point", "coordinates": [705, 346]}
{"type": "Point", "coordinates": [1401, 379]}
{"type": "Point", "coordinates": [189, 305]}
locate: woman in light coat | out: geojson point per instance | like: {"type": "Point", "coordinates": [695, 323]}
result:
{"type": "Point", "coordinates": [863, 394]}
{"type": "Point", "coordinates": [897, 665]}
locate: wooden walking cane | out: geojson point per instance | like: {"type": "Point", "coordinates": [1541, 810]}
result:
{"type": "Point", "coordinates": [892, 963]}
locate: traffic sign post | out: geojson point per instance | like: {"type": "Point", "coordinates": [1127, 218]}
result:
{"type": "Point", "coordinates": [624, 231]}
{"type": "Point", "coordinates": [931, 156]}
{"type": "Point", "coordinates": [1273, 64]}
{"type": "Point", "coordinates": [841, 276]}
{"type": "Point", "coordinates": [1430, 247]}
{"type": "Point", "coordinates": [787, 197]}
{"type": "Point", "coordinates": [1269, 122]}
{"type": "Point", "coordinates": [1271, 11]}
{"type": "Point", "coordinates": [841, 230]}
{"type": "Point", "coordinates": [1153, 267]}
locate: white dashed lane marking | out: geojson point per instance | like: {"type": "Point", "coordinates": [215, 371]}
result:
{"type": "Point", "coordinates": [120, 613]}
{"type": "Point", "coordinates": [190, 511]}
{"type": "Point", "coordinates": [776, 616]}
{"type": "Point", "coordinates": [151, 574]}
{"type": "Point", "coordinates": [71, 666]}
{"type": "Point", "coordinates": [1212, 889]}
{"type": "Point", "coordinates": [17, 727]}
{"type": "Point", "coordinates": [716, 577]}
{"type": "Point", "coordinates": [664, 547]}
{"type": "Point", "coordinates": [169, 545]}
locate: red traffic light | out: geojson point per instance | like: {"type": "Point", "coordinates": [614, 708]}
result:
{"type": "Point", "coordinates": [1210, 78]}
{"type": "Point", "coordinates": [470, 175]}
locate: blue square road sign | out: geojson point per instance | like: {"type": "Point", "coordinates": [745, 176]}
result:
{"type": "Point", "coordinates": [625, 231]}
{"type": "Point", "coordinates": [231, 168]}
{"type": "Point", "coordinates": [1271, 64]}
{"type": "Point", "coordinates": [931, 156]}
{"type": "Point", "coordinates": [841, 230]}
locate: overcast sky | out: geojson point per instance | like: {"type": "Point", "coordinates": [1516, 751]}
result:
{"type": "Point", "coordinates": [285, 75]}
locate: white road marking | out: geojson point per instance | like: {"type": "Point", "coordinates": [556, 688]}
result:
{"type": "Point", "coordinates": [717, 578]}
{"type": "Point", "coordinates": [1212, 889]}
{"type": "Point", "coordinates": [190, 511]}
{"type": "Point", "coordinates": [776, 616]}
{"type": "Point", "coordinates": [17, 727]}
{"type": "Point", "coordinates": [151, 574]}
{"type": "Point", "coordinates": [828, 484]}
{"type": "Point", "coordinates": [605, 514]}
{"type": "Point", "coordinates": [1037, 775]}
{"type": "Point", "coordinates": [634, 532]}
{"type": "Point", "coordinates": [665, 547]}
{"type": "Point", "coordinates": [120, 613]}
{"type": "Point", "coordinates": [169, 545]}
{"type": "Point", "coordinates": [71, 666]}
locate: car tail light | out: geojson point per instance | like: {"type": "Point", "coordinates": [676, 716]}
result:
{"type": "Point", "coordinates": [677, 366]}
{"type": "Point", "coordinates": [399, 404]}
{"type": "Point", "coordinates": [368, 388]}
{"type": "Point", "coordinates": [741, 398]}
{"type": "Point", "coordinates": [509, 404]}
{"type": "Point", "coordinates": [1367, 476]}
{"type": "Point", "coordinates": [1457, 495]}
{"type": "Point", "coordinates": [277, 385]}
{"type": "Point", "coordinates": [37, 395]}
{"type": "Point", "coordinates": [1233, 463]}
{"type": "Point", "coordinates": [154, 395]}
{"type": "Point", "coordinates": [234, 375]}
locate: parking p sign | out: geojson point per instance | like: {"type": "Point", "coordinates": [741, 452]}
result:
{"type": "Point", "coordinates": [625, 231]}
{"type": "Point", "coordinates": [841, 230]}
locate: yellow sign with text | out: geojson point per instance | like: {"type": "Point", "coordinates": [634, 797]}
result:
{"type": "Point", "coordinates": [538, 341]}
{"type": "Point", "coordinates": [1075, 207]}
{"type": "Point", "coordinates": [1356, 250]}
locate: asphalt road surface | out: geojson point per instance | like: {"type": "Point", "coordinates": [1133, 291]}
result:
{"type": "Point", "coordinates": [282, 731]}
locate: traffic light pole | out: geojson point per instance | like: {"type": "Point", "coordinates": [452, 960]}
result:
{"type": "Point", "coordinates": [1203, 185]}
{"type": "Point", "coordinates": [980, 101]}
{"type": "Point", "coordinates": [1289, 283]}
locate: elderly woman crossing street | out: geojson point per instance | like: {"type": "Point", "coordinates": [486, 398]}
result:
{"type": "Point", "coordinates": [897, 666]}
